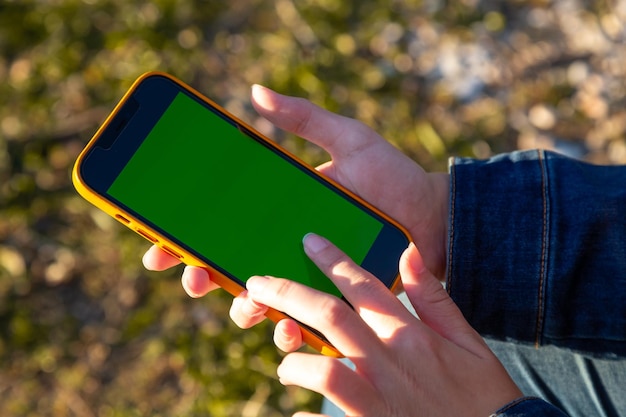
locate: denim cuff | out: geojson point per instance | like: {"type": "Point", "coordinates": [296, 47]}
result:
{"type": "Point", "coordinates": [537, 250]}
{"type": "Point", "coordinates": [527, 407]}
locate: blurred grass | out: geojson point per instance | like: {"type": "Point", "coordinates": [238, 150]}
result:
{"type": "Point", "coordinates": [84, 330]}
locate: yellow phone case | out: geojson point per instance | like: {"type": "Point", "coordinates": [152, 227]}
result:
{"type": "Point", "coordinates": [172, 248]}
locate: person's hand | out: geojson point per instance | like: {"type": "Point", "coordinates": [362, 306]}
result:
{"type": "Point", "coordinates": [369, 166]}
{"type": "Point", "coordinates": [363, 162]}
{"type": "Point", "coordinates": [436, 366]}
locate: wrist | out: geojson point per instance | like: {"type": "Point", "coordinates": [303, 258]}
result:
{"type": "Point", "coordinates": [431, 230]}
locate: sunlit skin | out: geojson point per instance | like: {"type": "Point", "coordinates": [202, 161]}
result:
{"type": "Point", "coordinates": [437, 365]}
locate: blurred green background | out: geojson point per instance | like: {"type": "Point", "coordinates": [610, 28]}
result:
{"type": "Point", "coordinates": [84, 330]}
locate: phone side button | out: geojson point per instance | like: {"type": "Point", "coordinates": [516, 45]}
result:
{"type": "Point", "coordinates": [122, 219]}
{"type": "Point", "coordinates": [172, 252]}
{"type": "Point", "coordinates": [147, 236]}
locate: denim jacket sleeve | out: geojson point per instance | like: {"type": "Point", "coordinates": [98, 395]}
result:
{"type": "Point", "coordinates": [537, 250]}
{"type": "Point", "coordinates": [528, 406]}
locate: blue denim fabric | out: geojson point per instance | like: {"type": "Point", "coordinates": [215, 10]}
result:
{"type": "Point", "coordinates": [524, 407]}
{"type": "Point", "coordinates": [582, 386]}
{"type": "Point", "coordinates": [537, 264]}
{"type": "Point", "coordinates": [537, 250]}
{"type": "Point", "coordinates": [528, 406]}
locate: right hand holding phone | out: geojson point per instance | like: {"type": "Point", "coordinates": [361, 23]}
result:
{"type": "Point", "coordinates": [363, 162]}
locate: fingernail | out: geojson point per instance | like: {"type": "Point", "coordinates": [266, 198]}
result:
{"type": "Point", "coordinates": [263, 90]}
{"type": "Point", "coordinates": [314, 243]}
{"type": "Point", "coordinates": [256, 284]}
{"type": "Point", "coordinates": [259, 87]}
{"type": "Point", "coordinates": [415, 259]}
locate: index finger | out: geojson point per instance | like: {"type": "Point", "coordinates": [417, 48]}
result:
{"type": "Point", "coordinates": [321, 311]}
{"type": "Point", "coordinates": [374, 302]}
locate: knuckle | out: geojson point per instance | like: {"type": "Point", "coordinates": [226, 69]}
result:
{"type": "Point", "coordinates": [412, 340]}
{"type": "Point", "coordinates": [431, 346]}
{"type": "Point", "coordinates": [331, 258]}
{"type": "Point", "coordinates": [409, 339]}
{"type": "Point", "coordinates": [302, 125]}
{"type": "Point", "coordinates": [360, 281]}
{"type": "Point", "coordinates": [364, 132]}
{"type": "Point", "coordinates": [361, 128]}
{"type": "Point", "coordinates": [337, 265]}
{"type": "Point", "coordinates": [334, 312]}
{"type": "Point", "coordinates": [282, 288]}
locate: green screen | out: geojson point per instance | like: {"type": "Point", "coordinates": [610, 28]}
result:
{"type": "Point", "coordinates": [234, 201]}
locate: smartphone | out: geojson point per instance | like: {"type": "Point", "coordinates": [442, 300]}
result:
{"type": "Point", "coordinates": [208, 189]}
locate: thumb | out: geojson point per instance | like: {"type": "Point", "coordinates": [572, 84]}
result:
{"type": "Point", "coordinates": [334, 133]}
{"type": "Point", "coordinates": [432, 303]}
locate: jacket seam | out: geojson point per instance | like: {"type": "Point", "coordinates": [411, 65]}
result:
{"type": "Point", "coordinates": [451, 225]}
{"type": "Point", "coordinates": [541, 291]}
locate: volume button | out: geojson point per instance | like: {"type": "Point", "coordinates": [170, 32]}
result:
{"type": "Point", "coordinates": [122, 219]}
{"type": "Point", "coordinates": [172, 252]}
{"type": "Point", "coordinates": [147, 236]}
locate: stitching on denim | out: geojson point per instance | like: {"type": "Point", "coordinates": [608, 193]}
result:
{"type": "Point", "coordinates": [544, 250]}
{"type": "Point", "coordinates": [451, 231]}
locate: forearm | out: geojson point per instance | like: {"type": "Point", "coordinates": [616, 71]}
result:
{"type": "Point", "coordinates": [537, 250]}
